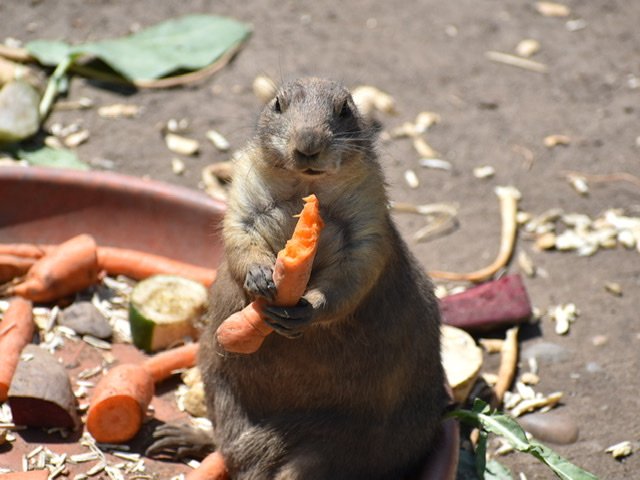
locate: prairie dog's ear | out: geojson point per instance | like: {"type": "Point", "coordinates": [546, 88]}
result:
{"type": "Point", "coordinates": [264, 88]}
{"type": "Point", "coordinates": [368, 99]}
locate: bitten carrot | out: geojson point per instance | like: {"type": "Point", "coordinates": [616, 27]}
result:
{"type": "Point", "coordinates": [121, 398]}
{"type": "Point", "coordinates": [30, 475]}
{"type": "Point", "coordinates": [119, 404]}
{"type": "Point", "coordinates": [16, 331]}
{"type": "Point", "coordinates": [64, 270]}
{"type": "Point", "coordinates": [12, 266]}
{"type": "Point", "coordinates": [140, 265]}
{"type": "Point", "coordinates": [121, 261]}
{"type": "Point", "coordinates": [162, 365]}
{"type": "Point", "coordinates": [211, 468]}
{"type": "Point", "coordinates": [244, 331]}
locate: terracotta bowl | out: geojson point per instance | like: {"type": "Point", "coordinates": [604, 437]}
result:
{"type": "Point", "coordinates": [40, 205]}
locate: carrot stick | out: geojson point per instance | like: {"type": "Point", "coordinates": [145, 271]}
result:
{"type": "Point", "coordinates": [140, 265]}
{"type": "Point", "coordinates": [30, 475]}
{"type": "Point", "coordinates": [121, 398]}
{"type": "Point", "coordinates": [67, 269]}
{"type": "Point", "coordinates": [12, 266]}
{"type": "Point", "coordinates": [162, 365]}
{"type": "Point", "coordinates": [119, 404]}
{"type": "Point", "coordinates": [244, 331]}
{"type": "Point", "coordinates": [121, 261]}
{"type": "Point", "coordinates": [22, 250]}
{"type": "Point", "coordinates": [211, 468]}
{"type": "Point", "coordinates": [16, 331]}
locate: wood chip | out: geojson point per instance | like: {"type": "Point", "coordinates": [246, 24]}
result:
{"type": "Point", "coordinates": [552, 9]}
{"type": "Point", "coordinates": [516, 61]}
{"type": "Point", "coordinates": [182, 145]}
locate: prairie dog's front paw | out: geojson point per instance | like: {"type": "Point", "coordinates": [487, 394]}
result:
{"type": "Point", "coordinates": [259, 282]}
{"type": "Point", "coordinates": [289, 321]}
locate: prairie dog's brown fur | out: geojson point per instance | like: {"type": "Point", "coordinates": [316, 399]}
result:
{"type": "Point", "coordinates": [360, 393]}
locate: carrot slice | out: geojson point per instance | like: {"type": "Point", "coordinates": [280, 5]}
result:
{"type": "Point", "coordinates": [22, 250]}
{"type": "Point", "coordinates": [140, 265]}
{"type": "Point", "coordinates": [211, 468]}
{"type": "Point", "coordinates": [162, 365]}
{"type": "Point", "coordinates": [66, 269]}
{"type": "Point", "coordinates": [244, 331]}
{"type": "Point", "coordinates": [16, 331]}
{"type": "Point", "coordinates": [119, 404]}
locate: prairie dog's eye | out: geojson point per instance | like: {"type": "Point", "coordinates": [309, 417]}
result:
{"type": "Point", "coordinates": [276, 106]}
{"type": "Point", "coordinates": [345, 111]}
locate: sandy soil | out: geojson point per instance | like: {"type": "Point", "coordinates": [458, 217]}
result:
{"type": "Point", "coordinates": [430, 55]}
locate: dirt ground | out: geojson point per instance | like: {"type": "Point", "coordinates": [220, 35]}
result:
{"type": "Point", "coordinates": [430, 55]}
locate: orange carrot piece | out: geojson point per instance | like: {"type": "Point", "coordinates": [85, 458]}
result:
{"type": "Point", "coordinates": [22, 250]}
{"type": "Point", "coordinates": [12, 266]}
{"type": "Point", "coordinates": [140, 265]}
{"type": "Point", "coordinates": [244, 331]}
{"type": "Point", "coordinates": [30, 475]}
{"type": "Point", "coordinates": [119, 404]}
{"type": "Point", "coordinates": [67, 269]}
{"type": "Point", "coordinates": [16, 331]}
{"type": "Point", "coordinates": [211, 468]}
{"type": "Point", "coordinates": [163, 364]}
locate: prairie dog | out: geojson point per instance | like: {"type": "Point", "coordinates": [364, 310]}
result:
{"type": "Point", "coordinates": [350, 386]}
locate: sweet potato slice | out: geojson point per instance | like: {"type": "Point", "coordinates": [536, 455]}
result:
{"type": "Point", "coordinates": [40, 394]}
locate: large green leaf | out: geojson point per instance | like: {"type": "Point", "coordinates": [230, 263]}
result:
{"type": "Point", "coordinates": [186, 43]}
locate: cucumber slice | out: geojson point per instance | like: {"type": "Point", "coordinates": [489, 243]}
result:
{"type": "Point", "coordinates": [164, 309]}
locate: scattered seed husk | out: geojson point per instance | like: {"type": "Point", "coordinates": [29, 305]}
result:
{"type": "Point", "coordinates": [554, 140]}
{"type": "Point", "coordinates": [576, 25]}
{"type": "Point", "coordinates": [485, 171]}
{"type": "Point", "coordinates": [620, 450]}
{"type": "Point", "coordinates": [264, 88]}
{"type": "Point", "coordinates": [614, 288]}
{"type": "Point", "coordinates": [526, 264]}
{"type": "Point", "coordinates": [411, 178]}
{"type": "Point", "coordinates": [177, 126]}
{"type": "Point", "coordinates": [423, 148]}
{"type": "Point", "coordinates": [516, 61]}
{"type": "Point", "coordinates": [438, 226]}
{"type": "Point", "coordinates": [436, 164]}
{"type": "Point", "coordinates": [119, 110]}
{"type": "Point", "coordinates": [527, 47]}
{"type": "Point", "coordinates": [52, 141]}
{"type": "Point", "coordinates": [218, 140]}
{"type": "Point", "coordinates": [447, 209]}
{"type": "Point", "coordinates": [407, 129]}
{"type": "Point", "coordinates": [529, 378]}
{"type": "Point", "coordinates": [425, 120]}
{"type": "Point", "coordinates": [578, 183]}
{"type": "Point", "coordinates": [181, 145]}
{"type": "Point", "coordinates": [177, 166]}
{"type": "Point", "coordinates": [212, 185]}
{"type": "Point", "coordinates": [552, 9]}
{"type": "Point", "coordinates": [82, 103]}
{"type": "Point", "coordinates": [599, 340]}
{"type": "Point", "coordinates": [563, 315]}
{"type": "Point", "coordinates": [77, 138]}
{"type": "Point", "coordinates": [525, 406]}
{"type": "Point", "coordinates": [369, 98]}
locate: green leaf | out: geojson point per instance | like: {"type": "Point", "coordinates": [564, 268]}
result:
{"type": "Point", "coordinates": [494, 470]}
{"type": "Point", "coordinates": [186, 43]}
{"type": "Point", "coordinates": [481, 453]}
{"type": "Point", "coordinates": [51, 157]}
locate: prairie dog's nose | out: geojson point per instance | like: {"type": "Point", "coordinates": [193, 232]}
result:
{"type": "Point", "coordinates": [309, 143]}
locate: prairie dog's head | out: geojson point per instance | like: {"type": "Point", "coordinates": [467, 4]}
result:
{"type": "Point", "coordinates": [312, 128]}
